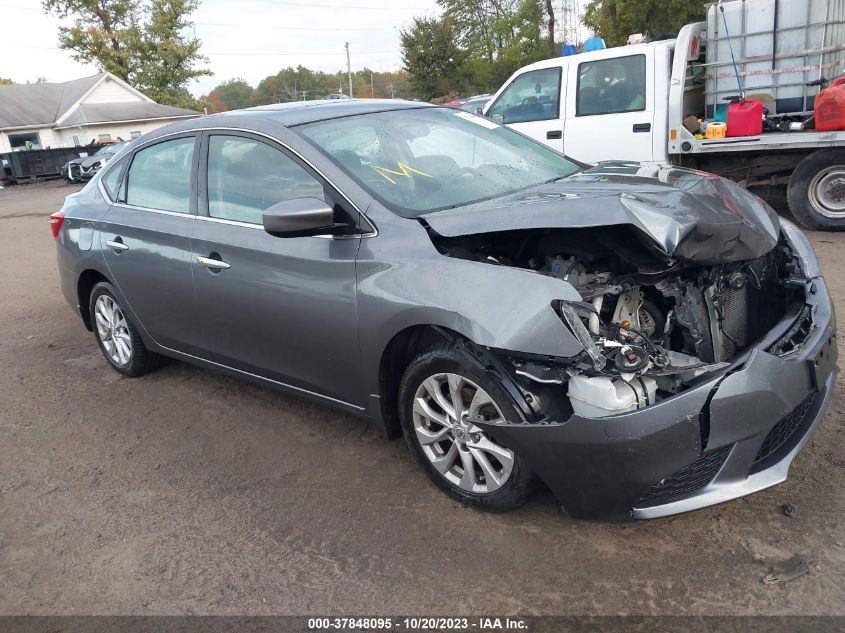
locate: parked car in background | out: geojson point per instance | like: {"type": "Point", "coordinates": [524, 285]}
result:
{"type": "Point", "coordinates": [335, 96]}
{"type": "Point", "coordinates": [84, 168]}
{"type": "Point", "coordinates": [476, 104]}
{"type": "Point", "coordinates": [647, 340]}
{"type": "Point", "coordinates": [634, 103]}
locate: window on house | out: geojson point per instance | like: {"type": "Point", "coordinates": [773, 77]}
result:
{"type": "Point", "coordinates": [28, 140]}
{"type": "Point", "coordinates": [76, 140]}
{"type": "Point", "coordinates": [104, 138]}
{"type": "Point", "coordinates": [134, 134]}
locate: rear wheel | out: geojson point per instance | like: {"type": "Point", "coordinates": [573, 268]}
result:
{"type": "Point", "coordinates": [816, 191]}
{"type": "Point", "coordinates": [442, 396]}
{"type": "Point", "coordinates": [117, 337]}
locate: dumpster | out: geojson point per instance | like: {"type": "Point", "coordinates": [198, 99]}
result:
{"type": "Point", "coordinates": [31, 164]}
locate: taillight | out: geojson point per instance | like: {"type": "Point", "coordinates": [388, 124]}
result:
{"type": "Point", "coordinates": [56, 220]}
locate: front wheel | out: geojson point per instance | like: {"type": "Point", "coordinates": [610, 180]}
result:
{"type": "Point", "coordinates": [441, 397]}
{"type": "Point", "coordinates": [816, 191]}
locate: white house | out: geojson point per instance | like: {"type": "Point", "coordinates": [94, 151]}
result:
{"type": "Point", "coordinates": [99, 108]}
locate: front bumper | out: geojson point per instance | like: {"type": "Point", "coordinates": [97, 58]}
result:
{"type": "Point", "coordinates": [734, 433]}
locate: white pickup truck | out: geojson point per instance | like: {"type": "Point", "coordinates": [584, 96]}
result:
{"type": "Point", "coordinates": [630, 102]}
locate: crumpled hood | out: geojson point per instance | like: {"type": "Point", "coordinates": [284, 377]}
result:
{"type": "Point", "coordinates": [682, 213]}
{"type": "Point", "coordinates": [96, 158]}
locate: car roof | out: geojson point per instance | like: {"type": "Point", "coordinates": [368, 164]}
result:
{"type": "Point", "coordinates": [282, 115]}
{"type": "Point", "coordinates": [298, 112]}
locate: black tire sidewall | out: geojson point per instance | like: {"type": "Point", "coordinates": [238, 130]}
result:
{"type": "Point", "coordinates": [798, 191]}
{"type": "Point", "coordinates": [142, 360]}
{"type": "Point", "coordinates": [449, 360]}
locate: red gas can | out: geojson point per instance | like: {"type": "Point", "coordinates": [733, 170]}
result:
{"type": "Point", "coordinates": [745, 118]}
{"type": "Point", "coordinates": [830, 107]}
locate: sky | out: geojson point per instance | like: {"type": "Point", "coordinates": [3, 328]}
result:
{"type": "Point", "coordinates": [247, 39]}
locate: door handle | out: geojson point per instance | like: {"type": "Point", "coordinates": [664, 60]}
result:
{"type": "Point", "coordinates": [215, 264]}
{"type": "Point", "coordinates": [642, 127]}
{"type": "Point", "coordinates": [553, 134]}
{"type": "Point", "coordinates": [117, 245]}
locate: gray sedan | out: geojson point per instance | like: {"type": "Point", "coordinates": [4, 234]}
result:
{"type": "Point", "coordinates": [646, 340]}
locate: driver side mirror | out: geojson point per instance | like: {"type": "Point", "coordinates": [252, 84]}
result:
{"type": "Point", "coordinates": [298, 217]}
{"type": "Point", "coordinates": [479, 111]}
{"type": "Point", "coordinates": [498, 118]}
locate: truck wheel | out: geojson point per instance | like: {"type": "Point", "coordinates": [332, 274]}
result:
{"type": "Point", "coordinates": [816, 191]}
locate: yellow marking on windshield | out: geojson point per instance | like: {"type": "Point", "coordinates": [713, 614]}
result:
{"type": "Point", "coordinates": [405, 172]}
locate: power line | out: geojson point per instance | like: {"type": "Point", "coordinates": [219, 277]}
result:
{"type": "Point", "coordinates": [300, 28]}
{"type": "Point", "coordinates": [312, 5]}
{"type": "Point", "coordinates": [300, 54]}
{"type": "Point", "coordinates": [253, 52]}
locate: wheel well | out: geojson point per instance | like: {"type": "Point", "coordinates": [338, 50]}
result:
{"type": "Point", "coordinates": [400, 351]}
{"type": "Point", "coordinates": [87, 280]}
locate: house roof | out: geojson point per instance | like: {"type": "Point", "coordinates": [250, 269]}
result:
{"type": "Point", "coordinates": [126, 111]}
{"type": "Point", "coordinates": [40, 104]}
{"type": "Point", "coordinates": [23, 105]}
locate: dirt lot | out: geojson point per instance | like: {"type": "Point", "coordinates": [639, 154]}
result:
{"type": "Point", "coordinates": [188, 492]}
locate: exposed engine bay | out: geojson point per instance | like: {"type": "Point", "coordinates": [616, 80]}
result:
{"type": "Point", "coordinates": [649, 324]}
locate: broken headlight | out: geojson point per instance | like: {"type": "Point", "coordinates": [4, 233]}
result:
{"type": "Point", "coordinates": [573, 314]}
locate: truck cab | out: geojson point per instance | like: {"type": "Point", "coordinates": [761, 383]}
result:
{"type": "Point", "coordinates": [606, 104]}
{"type": "Point", "coordinates": [645, 102]}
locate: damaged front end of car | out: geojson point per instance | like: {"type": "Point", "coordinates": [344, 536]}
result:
{"type": "Point", "coordinates": [708, 351]}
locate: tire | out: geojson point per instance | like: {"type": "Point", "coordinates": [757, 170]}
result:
{"type": "Point", "coordinates": [509, 481]}
{"type": "Point", "coordinates": [816, 191]}
{"type": "Point", "coordinates": [117, 337]}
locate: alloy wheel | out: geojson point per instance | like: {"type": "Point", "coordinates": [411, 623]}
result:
{"type": "Point", "coordinates": [446, 407]}
{"type": "Point", "coordinates": [113, 330]}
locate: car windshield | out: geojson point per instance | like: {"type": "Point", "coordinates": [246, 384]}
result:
{"type": "Point", "coordinates": [109, 149]}
{"type": "Point", "coordinates": [421, 160]}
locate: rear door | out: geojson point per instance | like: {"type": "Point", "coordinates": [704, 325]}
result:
{"type": "Point", "coordinates": [531, 104]}
{"type": "Point", "coordinates": [280, 308]}
{"type": "Point", "coordinates": [610, 107]}
{"type": "Point", "coordinates": [147, 240]}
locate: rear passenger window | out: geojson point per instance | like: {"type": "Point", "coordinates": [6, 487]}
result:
{"type": "Point", "coordinates": [533, 96]}
{"type": "Point", "coordinates": [160, 176]}
{"type": "Point", "coordinates": [613, 85]}
{"type": "Point", "coordinates": [246, 176]}
{"type": "Point", "coordinates": [112, 179]}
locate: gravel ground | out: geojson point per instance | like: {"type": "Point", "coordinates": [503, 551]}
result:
{"type": "Point", "coordinates": [185, 492]}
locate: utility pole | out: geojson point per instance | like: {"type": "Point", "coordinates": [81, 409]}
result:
{"type": "Point", "coordinates": [372, 90]}
{"type": "Point", "coordinates": [349, 69]}
{"type": "Point", "coordinates": [390, 87]}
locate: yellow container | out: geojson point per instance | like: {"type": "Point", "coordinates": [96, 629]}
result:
{"type": "Point", "coordinates": [716, 130]}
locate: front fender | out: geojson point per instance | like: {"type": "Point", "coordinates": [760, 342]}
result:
{"type": "Point", "coordinates": [493, 306]}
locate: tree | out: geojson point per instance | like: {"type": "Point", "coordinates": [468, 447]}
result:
{"type": "Point", "coordinates": [142, 42]}
{"type": "Point", "coordinates": [233, 94]}
{"type": "Point", "coordinates": [498, 36]}
{"type": "Point", "coordinates": [550, 16]}
{"type": "Point", "coordinates": [615, 20]}
{"type": "Point", "coordinates": [431, 56]}
{"type": "Point", "coordinates": [3, 81]}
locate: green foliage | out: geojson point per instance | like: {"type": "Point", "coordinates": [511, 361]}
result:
{"type": "Point", "coordinates": [140, 41]}
{"type": "Point", "coordinates": [233, 94]}
{"type": "Point", "coordinates": [3, 81]}
{"type": "Point", "coordinates": [432, 58]}
{"type": "Point", "coordinates": [295, 84]}
{"type": "Point", "coordinates": [615, 20]}
{"type": "Point", "coordinates": [475, 46]}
